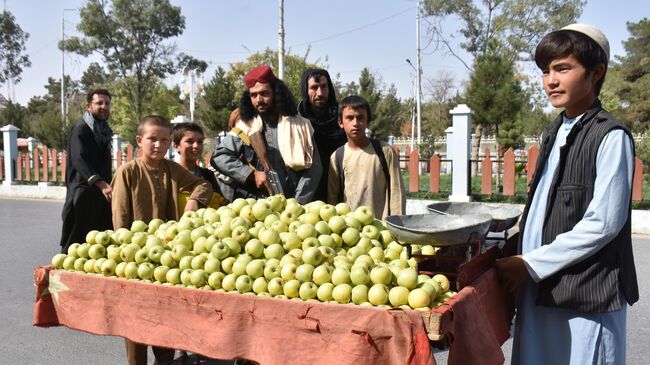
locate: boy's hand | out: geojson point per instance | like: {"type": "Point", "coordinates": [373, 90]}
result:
{"type": "Point", "coordinates": [105, 188]}
{"type": "Point", "coordinates": [260, 181]}
{"type": "Point", "coordinates": [512, 272]}
{"type": "Point", "coordinates": [192, 205]}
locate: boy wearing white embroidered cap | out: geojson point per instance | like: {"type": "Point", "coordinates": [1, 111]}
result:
{"type": "Point", "coordinates": [575, 273]}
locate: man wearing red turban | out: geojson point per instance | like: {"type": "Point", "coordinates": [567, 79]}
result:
{"type": "Point", "coordinates": [267, 106]}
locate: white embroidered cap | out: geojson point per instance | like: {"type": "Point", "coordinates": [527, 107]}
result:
{"type": "Point", "coordinates": [592, 32]}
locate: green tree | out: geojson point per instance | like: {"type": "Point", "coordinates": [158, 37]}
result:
{"type": "Point", "coordinates": [495, 96]}
{"type": "Point", "coordinates": [389, 116]}
{"type": "Point", "coordinates": [518, 25]}
{"type": "Point", "coordinates": [184, 60]}
{"type": "Point", "coordinates": [13, 113]}
{"type": "Point", "coordinates": [635, 70]}
{"type": "Point", "coordinates": [94, 77]}
{"type": "Point", "coordinates": [43, 122]}
{"type": "Point", "coordinates": [218, 103]}
{"type": "Point", "coordinates": [12, 48]}
{"type": "Point", "coordinates": [293, 67]}
{"type": "Point", "coordinates": [131, 36]}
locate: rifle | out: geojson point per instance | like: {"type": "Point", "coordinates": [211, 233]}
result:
{"type": "Point", "coordinates": [272, 177]}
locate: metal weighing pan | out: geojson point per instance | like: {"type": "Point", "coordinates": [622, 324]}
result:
{"type": "Point", "coordinates": [438, 230]}
{"type": "Point", "coordinates": [503, 218]}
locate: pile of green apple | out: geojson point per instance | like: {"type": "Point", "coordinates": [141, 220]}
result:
{"type": "Point", "coordinates": [271, 247]}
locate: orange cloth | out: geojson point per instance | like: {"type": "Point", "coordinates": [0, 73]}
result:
{"type": "Point", "coordinates": [228, 326]}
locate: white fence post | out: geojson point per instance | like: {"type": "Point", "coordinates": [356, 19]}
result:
{"type": "Point", "coordinates": [458, 151]}
{"type": "Point", "coordinates": [10, 139]}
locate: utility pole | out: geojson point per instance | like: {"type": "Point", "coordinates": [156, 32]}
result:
{"type": "Point", "coordinates": [418, 74]}
{"type": "Point", "coordinates": [63, 113]}
{"type": "Point", "coordinates": [281, 42]}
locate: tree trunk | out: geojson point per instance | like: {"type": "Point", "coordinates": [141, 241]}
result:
{"type": "Point", "coordinates": [476, 145]}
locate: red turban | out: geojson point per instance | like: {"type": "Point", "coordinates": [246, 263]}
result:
{"type": "Point", "coordinates": [261, 74]}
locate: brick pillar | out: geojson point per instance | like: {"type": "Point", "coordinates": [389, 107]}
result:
{"type": "Point", "coordinates": [414, 175]}
{"type": "Point", "coordinates": [533, 152]}
{"type": "Point", "coordinates": [637, 180]}
{"type": "Point", "coordinates": [509, 172]}
{"type": "Point", "coordinates": [486, 174]}
{"type": "Point", "coordinates": [434, 174]}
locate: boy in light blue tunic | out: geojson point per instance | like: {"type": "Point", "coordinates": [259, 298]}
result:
{"type": "Point", "coordinates": [575, 272]}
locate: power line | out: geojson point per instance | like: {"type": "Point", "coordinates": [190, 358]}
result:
{"type": "Point", "coordinates": [354, 29]}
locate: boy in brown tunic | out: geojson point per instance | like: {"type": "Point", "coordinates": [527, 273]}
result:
{"type": "Point", "coordinates": [147, 188]}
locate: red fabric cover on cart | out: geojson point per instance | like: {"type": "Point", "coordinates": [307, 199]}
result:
{"type": "Point", "coordinates": [228, 326]}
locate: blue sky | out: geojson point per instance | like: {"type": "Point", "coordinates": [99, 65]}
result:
{"type": "Point", "coordinates": [345, 35]}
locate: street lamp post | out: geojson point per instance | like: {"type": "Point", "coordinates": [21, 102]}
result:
{"type": "Point", "coordinates": [191, 85]}
{"type": "Point", "coordinates": [418, 95]}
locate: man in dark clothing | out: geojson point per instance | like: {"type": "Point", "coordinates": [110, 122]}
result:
{"type": "Point", "coordinates": [88, 172]}
{"type": "Point", "coordinates": [319, 105]}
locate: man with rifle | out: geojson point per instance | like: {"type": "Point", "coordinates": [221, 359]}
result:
{"type": "Point", "coordinates": [271, 149]}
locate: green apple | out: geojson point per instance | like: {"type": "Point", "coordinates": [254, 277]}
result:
{"type": "Point", "coordinates": [279, 226]}
{"type": "Point", "coordinates": [274, 250]}
{"type": "Point", "coordinates": [79, 263]}
{"type": "Point", "coordinates": [185, 262]}
{"type": "Point", "coordinates": [443, 281]}
{"type": "Point", "coordinates": [102, 238]}
{"type": "Point", "coordinates": [247, 213]}
{"type": "Point", "coordinates": [437, 289]}
{"type": "Point", "coordinates": [141, 256]}
{"type": "Point", "coordinates": [119, 269]}
{"type": "Point", "coordinates": [288, 217]}
{"type": "Point", "coordinates": [275, 286]}
{"type": "Point", "coordinates": [269, 236]}
{"type": "Point", "coordinates": [312, 256]}
{"type": "Point", "coordinates": [364, 260]}
{"type": "Point", "coordinates": [398, 296]}
{"type": "Point", "coordinates": [364, 214]}
{"type": "Point", "coordinates": [350, 236]}
{"type": "Point", "coordinates": [255, 268]}
{"type": "Point", "coordinates": [354, 252]}
{"type": "Point", "coordinates": [288, 271]}
{"type": "Point", "coordinates": [167, 259]}
{"type": "Point", "coordinates": [139, 226]}
{"type": "Point", "coordinates": [371, 232]}
{"type": "Point", "coordinates": [160, 273]}
{"type": "Point", "coordinates": [297, 253]}
{"type": "Point", "coordinates": [198, 232]}
{"type": "Point", "coordinates": [293, 226]}
{"type": "Point", "coordinates": [271, 270]}
{"type": "Point", "coordinates": [328, 253]}
{"type": "Point", "coordinates": [327, 211]}
{"type": "Point", "coordinates": [89, 266]}
{"type": "Point", "coordinates": [378, 294]}
{"type": "Point", "coordinates": [326, 240]}
{"type": "Point", "coordinates": [306, 230]}
{"type": "Point", "coordinates": [322, 228]}
{"type": "Point", "coordinates": [260, 285]}
{"type": "Point", "coordinates": [408, 278]}
{"type": "Point", "coordinates": [223, 230]}
{"type": "Point", "coordinates": [337, 224]}
{"type": "Point", "coordinates": [90, 236]}
{"type": "Point", "coordinates": [338, 240]}
{"type": "Point", "coordinates": [340, 276]}
{"type": "Point", "coordinates": [291, 288]}
{"type": "Point", "coordinates": [419, 298]}
{"type": "Point", "coordinates": [391, 254]}
{"type": "Point", "coordinates": [377, 254]}
{"type": "Point", "coordinates": [145, 271]}
{"type": "Point", "coordinates": [399, 263]}
{"type": "Point", "coordinates": [289, 259]}
{"type": "Point", "coordinates": [359, 275]}
{"type": "Point", "coordinates": [364, 244]}
{"type": "Point", "coordinates": [97, 251]}
{"type": "Point", "coordinates": [233, 245]}
{"type": "Point", "coordinates": [57, 260]}
{"type": "Point", "coordinates": [359, 294]}
{"type": "Point", "coordinates": [72, 250]}
{"type": "Point", "coordinates": [227, 264]}
{"type": "Point", "coordinates": [261, 209]}
{"type": "Point", "coordinates": [308, 290]}
{"type": "Point", "coordinates": [381, 275]}
{"type": "Point", "coordinates": [239, 267]}
{"type": "Point", "coordinates": [108, 267]}
{"type": "Point", "coordinates": [240, 234]}
{"type": "Point", "coordinates": [229, 282]}
{"type": "Point", "coordinates": [303, 272]}
{"type": "Point", "coordinates": [220, 250]}
{"type": "Point", "coordinates": [215, 279]}
{"type": "Point", "coordinates": [322, 274]}
{"type": "Point", "coordinates": [271, 218]}
{"type": "Point", "coordinates": [198, 277]}
{"type": "Point", "coordinates": [198, 261]}
{"type": "Point", "coordinates": [290, 240]}
{"type": "Point", "coordinates": [82, 250]}
{"type": "Point", "coordinates": [211, 265]}
{"type": "Point", "coordinates": [342, 208]}
{"type": "Point", "coordinates": [324, 292]}
{"type": "Point", "coordinates": [254, 247]}
{"type": "Point", "coordinates": [353, 222]}
{"type": "Point", "coordinates": [155, 253]}
{"type": "Point", "coordinates": [386, 237]}
{"type": "Point", "coordinates": [184, 238]}
{"type": "Point", "coordinates": [173, 276]}
{"type": "Point", "coordinates": [310, 242]}
{"type": "Point", "coordinates": [342, 293]}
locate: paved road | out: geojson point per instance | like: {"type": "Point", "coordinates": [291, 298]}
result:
{"type": "Point", "coordinates": [29, 236]}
